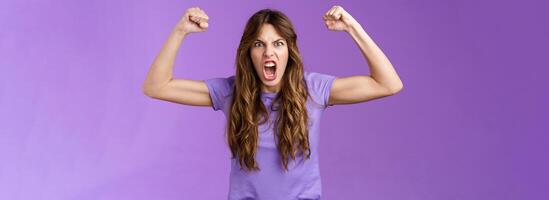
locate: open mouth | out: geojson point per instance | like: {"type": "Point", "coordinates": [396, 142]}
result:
{"type": "Point", "coordinates": [269, 70]}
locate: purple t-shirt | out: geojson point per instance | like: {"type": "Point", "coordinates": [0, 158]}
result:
{"type": "Point", "coordinates": [302, 180]}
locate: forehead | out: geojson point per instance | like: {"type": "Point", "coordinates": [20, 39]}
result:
{"type": "Point", "coordinates": [267, 32]}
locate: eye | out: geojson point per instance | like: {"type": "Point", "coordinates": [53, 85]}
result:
{"type": "Point", "coordinates": [258, 44]}
{"type": "Point", "coordinates": [279, 43]}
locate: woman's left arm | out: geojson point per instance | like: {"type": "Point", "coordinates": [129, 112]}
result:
{"type": "Point", "coordinates": [383, 79]}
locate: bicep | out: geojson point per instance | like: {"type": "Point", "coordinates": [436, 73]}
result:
{"type": "Point", "coordinates": [185, 91]}
{"type": "Point", "coordinates": [356, 89]}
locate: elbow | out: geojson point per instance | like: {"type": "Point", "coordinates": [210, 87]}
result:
{"type": "Point", "coordinates": [396, 88]}
{"type": "Point", "coordinates": [147, 91]}
{"type": "Point", "coordinates": [151, 89]}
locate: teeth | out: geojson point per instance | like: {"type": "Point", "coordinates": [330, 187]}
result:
{"type": "Point", "coordinates": [270, 64]}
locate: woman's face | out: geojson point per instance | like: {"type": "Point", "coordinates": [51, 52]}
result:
{"type": "Point", "coordinates": [269, 55]}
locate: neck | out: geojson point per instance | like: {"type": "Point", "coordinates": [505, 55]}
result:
{"type": "Point", "coordinates": [270, 89]}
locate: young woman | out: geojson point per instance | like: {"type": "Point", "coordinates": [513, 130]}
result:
{"type": "Point", "coordinates": [273, 107]}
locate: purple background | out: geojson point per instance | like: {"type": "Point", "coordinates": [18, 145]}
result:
{"type": "Point", "coordinates": [470, 123]}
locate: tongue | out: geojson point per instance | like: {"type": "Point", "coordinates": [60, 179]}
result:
{"type": "Point", "coordinates": [270, 73]}
{"type": "Point", "coordinates": [270, 70]}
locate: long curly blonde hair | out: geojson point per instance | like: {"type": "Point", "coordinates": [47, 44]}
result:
{"type": "Point", "coordinates": [247, 111]}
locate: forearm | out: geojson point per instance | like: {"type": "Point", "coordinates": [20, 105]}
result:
{"type": "Point", "coordinates": [381, 68]}
{"type": "Point", "coordinates": [161, 70]}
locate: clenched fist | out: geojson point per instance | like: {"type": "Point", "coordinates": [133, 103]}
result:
{"type": "Point", "coordinates": [337, 19]}
{"type": "Point", "coordinates": [194, 20]}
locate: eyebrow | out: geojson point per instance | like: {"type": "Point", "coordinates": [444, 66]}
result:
{"type": "Point", "coordinates": [273, 41]}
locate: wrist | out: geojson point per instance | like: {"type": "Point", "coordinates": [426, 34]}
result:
{"type": "Point", "coordinates": [180, 33]}
{"type": "Point", "coordinates": [355, 29]}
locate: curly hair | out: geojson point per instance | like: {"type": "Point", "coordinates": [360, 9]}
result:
{"type": "Point", "coordinates": [247, 111]}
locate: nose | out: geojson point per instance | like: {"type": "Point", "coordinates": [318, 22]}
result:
{"type": "Point", "coordinates": [269, 51]}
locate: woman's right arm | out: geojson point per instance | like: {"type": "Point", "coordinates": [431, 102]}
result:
{"type": "Point", "coordinates": [160, 83]}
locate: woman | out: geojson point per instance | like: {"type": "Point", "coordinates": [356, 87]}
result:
{"type": "Point", "coordinates": [272, 105]}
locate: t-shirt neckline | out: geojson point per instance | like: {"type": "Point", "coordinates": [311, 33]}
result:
{"type": "Point", "coordinates": [269, 94]}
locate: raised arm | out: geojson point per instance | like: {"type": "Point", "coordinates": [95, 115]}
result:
{"type": "Point", "coordinates": [160, 83]}
{"type": "Point", "coordinates": [383, 81]}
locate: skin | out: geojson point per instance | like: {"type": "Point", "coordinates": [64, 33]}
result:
{"type": "Point", "coordinates": [269, 46]}
{"type": "Point", "coordinates": [383, 80]}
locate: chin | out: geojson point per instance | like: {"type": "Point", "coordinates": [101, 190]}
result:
{"type": "Point", "coordinates": [271, 83]}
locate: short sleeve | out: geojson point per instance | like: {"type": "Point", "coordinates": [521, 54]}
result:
{"type": "Point", "coordinates": [220, 89]}
{"type": "Point", "coordinates": [320, 86]}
